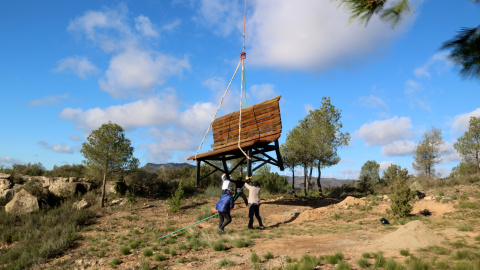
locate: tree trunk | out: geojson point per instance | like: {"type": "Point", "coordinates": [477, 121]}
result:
{"type": "Point", "coordinates": [305, 182]}
{"type": "Point", "coordinates": [310, 176]}
{"type": "Point", "coordinates": [318, 181]}
{"type": "Point", "coordinates": [293, 180]}
{"type": "Point", "coordinates": [103, 190]}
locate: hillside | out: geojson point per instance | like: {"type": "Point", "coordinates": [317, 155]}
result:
{"type": "Point", "coordinates": [152, 167]}
{"type": "Point", "coordinates": [326, 182]}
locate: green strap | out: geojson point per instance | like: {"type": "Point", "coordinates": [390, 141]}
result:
{"type": "Point", "coordinates": [234, 199]}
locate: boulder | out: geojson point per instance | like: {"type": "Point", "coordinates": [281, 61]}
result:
{"type": "Point", "coordinates": [5, 183]}
{"type": "Point", "coordinates": [7, 193]}
{"type": "Point", "coordinates": [63, 189]}
{"type": "Point", "coordinates": [5, 176]}
{"type": "Point", "coordinates": [111, 187]}
{"type": "Point", "coordinates": [81, 204]}
{"type": "Point", "coordinates": [22, 203]}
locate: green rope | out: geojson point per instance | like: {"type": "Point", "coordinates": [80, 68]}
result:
{"type": "Point", "coordinates": [179, 230]}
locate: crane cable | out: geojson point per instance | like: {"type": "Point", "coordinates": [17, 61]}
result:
{"type": "Point", "coordinates": [243, 55]}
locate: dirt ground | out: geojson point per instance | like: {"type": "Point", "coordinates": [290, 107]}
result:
{"type": "Point", "coordinates": [295, 227]}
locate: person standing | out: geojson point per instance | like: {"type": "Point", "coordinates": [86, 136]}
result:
{"type": "Point", "coordinates": [224, 205]}
{"type": "Point", "coordinates": [226, 183]}
{"type": "Point", "coordinates": [254, 204]}
{"type": "Point", "coordinates": [239, 191]}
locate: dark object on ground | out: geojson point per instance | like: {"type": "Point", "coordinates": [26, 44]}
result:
{"type": "Point", "coordinates": [384, 221]}
{"type": "Point", "coordinates": [420, 195]}
{"type": "Point", "coordinates": [425, 212]}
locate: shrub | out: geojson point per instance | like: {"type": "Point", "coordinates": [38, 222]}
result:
{"type": "Point", "coordinates": [268, 256]}
{"type": "Point", "coordinates": [218, 246]}
{"type": "Point", "coordinates": [41, 235]}
{"type": "Point", "coordinates": [166, 250]}
{"type": "Point", "coordinates": [125, 250]}
{"type": "Point", "coordinates": [404, 252]}
{"type": "Point", "coordinates": [464, 227]}
{"type": "Point", "coordinates": [175, 202]}
{"type": "Point", "coordinates": [379, 260]}
{"type": "Point", "coordinates": [363, 263]}
{"type": "Point", "coordinates": [343, 265]}
{"type": "Point", "coordinates": [159, 257]}
{"type": "Point", "coordinates": [401, 198]}
{"type": "Point", "coordinates": [181, 246]}
{"type": "Point", "coordinates": [334, 259]}
{"type": "Point", "coordinates": [308, 262]}
{"type": "Point", "coordinates": [391, 264]}
{"type": "Point", "coordinates": [145, 265]}
{"type": "Point", "coordinates": [225, 262]}
{"type": "Point", "coordinates": [254, 257]}
{"type": "Point", "coordinates": [173, 253]}
{"type": "Point", "coordinates": [147, 252]}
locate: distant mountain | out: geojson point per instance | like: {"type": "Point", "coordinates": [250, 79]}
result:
{"type": "Point", "coordinates": [327, 182]}
{"type": "Point", "coordinates": [152, 167]}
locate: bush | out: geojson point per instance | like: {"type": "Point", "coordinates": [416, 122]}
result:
{"type": "Point", "coordinates": [159, 257]}
{"type": "Point", "coordinates": [254, 257]}
{"type": "Point", "coordinates": [225, 262]}
{"type": "Point", "coordinates": [401, 198]}
{"type": "Point", "coordinates": [40, 235]}
{"type": "Point", "coordinates": [273, 182]}
{"type": "Point", "coordinates": [218, 246]}
{"type": "Point", "coordinates": [147, 252]}
{"type": "Point", "coordinates": [175, 202]}
{"type": "Point", "coordinates": [67, 171]}
{"type": "Point", "coordinates": [125, 250]}
{"type": "Point", "coordinates": [268, 256]}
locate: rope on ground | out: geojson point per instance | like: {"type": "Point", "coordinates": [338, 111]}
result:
{"type": "Point", "coordinates": [179, 230]}
{"type": "Point", "coordinates": [221, 101]}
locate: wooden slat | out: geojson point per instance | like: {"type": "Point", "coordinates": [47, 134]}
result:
{"type": "Point", "coordinates": [267, 140]}
{"type": "Point", "coordinates": [261, 123]}
{"type": "Point", "coordinates": [247, 126]}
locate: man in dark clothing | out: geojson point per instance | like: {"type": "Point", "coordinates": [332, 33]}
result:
{"type": "Point", "coordinates": [223, 206]}
{"type": "Point", "coordinates": [239, 191]}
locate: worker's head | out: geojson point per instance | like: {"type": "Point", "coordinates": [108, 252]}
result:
{"type": "Point", "coordinates": [255, 183]}
{"type": "Point", "coordinates": [239, 178]}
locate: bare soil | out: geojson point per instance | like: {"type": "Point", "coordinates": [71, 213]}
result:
{"type": "Point", "coordinates": [295, 227]}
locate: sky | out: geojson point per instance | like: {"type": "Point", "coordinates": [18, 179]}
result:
{"type": "Point", "coordinates": [160, 68]}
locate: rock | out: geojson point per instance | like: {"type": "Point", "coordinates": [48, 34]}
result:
{"type": "Point", "coordinates": [23, 202]}
{"type": "Point", "coordinates": [5, 176]}
{"type": "Point", "coordinates": [429, 198]}
{"type": "Point", "coordinates": [63, 189]}
{"type": "Point", "coordinates": [7, 193]}
{"type": "Point", "coordinates": [81, 204]}
{"type": "Point", "coordinates": [117, 201]}
{"type": "Point", "coordinates": [5, 183]}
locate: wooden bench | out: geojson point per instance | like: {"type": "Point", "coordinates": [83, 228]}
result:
{"type": "Point", "coordinates": [261, 125]}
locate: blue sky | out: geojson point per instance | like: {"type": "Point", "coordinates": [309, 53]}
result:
{"type": "Point", "coordinates": [159, 69]}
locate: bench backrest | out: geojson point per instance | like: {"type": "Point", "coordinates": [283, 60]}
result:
{"type": "Point", "coordinates": [258, 121]}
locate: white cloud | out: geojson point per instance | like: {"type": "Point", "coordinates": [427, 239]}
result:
{"type": "Point", "coordinates": [313, 35]}
{"type": "Point", "coordinates": [308, 108]}
{"type": "Point", "coordinates": [75, 137]}
{"type": "Point", "coordinates": [59, 148]}
{"type": "Point", "coordinates": [438, 63]}
{"type": "Point", "coordinates": [154, 111]}
{"type": "Point", "coordinates": [77, 65]}
{"type": "Point", "coordinates": [108, 28]}
{"type": "Point", "coordinates": [134, 69]}
{"type": "Point", "coordinates": [385, 131]}
{"type": "Point", "coordinates": [449, 153]}
{"type": "Point", "coordinates": [385, 164]}
{"type": "Point", "coordinates": [134, 72]}
{"type": "Point", "coordinates": [461, 122]}
{"type": "Point", "coordinates": [398, 148]}
{"type": "Point", "coordinates": [262, 91]}
{"type": "Point", "coordinates": [223, 16]}
{"type": "Point", "coordinates": [49, 100]}
{"type": "Point", "coordinates": [197, 118]}
{"type": "Point", "coordinates": [10, 161]}
{"type": "Point", "coordinates": [413, 90]}
{"type": "Point", "coordinates": [172, 26]}
{"type": "Point", "coordinates": [144, 26]}
{"type": "Point", "coordinates": [373, 102]}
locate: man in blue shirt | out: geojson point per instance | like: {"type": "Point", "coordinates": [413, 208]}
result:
{"type": "Point", "coordinates": [224, 205]}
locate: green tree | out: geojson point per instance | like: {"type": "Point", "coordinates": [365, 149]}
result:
{"type": "Point", "coordinates": [465, 47]}
{"type": "Point", "coordinates": [402, 196]}
{"type": "Point", "coordinates": [289, 161]}
{"type": "Point", "coordinates": [427, 152]}
{"type": "Point", "coordinates": [468, 145]}
{"type": "Point", "coordinates": [324, 129]}
{"type": "Point", "coordinates": [108, 152]}
{"type": "Point", "coordinates": [300, 144]}
{"type": "Point", "coordinates": [369, 176]}
{"type": "Point", "coordinates": [393, 172]}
